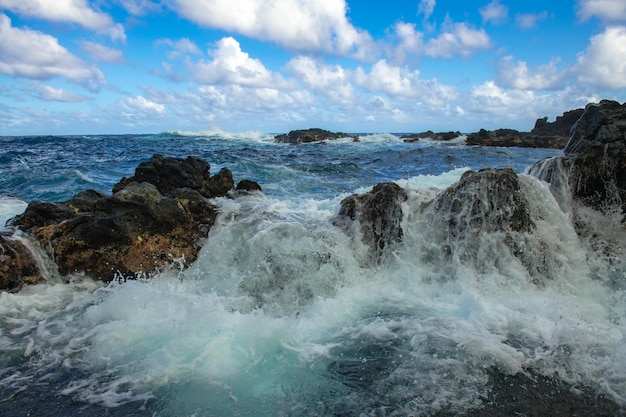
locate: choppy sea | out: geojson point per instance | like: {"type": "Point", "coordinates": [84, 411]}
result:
{"type": "Point", "coordinates": [282, 314]}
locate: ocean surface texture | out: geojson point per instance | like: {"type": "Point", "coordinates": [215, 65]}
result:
{"type": "Point", "coordinates": [283, 314]}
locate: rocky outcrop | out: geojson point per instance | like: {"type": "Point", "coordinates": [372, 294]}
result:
{"type": "Point", "coordinates": [544, 135]}
{"type": "Point", "coordinates": [593, 167]}
{"type": "Point", "coordinates": [379, 214]}
{"type": "Point", "coordinates": [429, 134]}
{"type": "Point", "coordinates": [157, 218]}
{"type": "Point", "coordinates": [511, 137]}
{"type": "Point", "coordinates": [310, 135]}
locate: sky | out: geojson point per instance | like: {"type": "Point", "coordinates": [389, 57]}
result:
{"type": "Point", "coordinates": [146, 66]}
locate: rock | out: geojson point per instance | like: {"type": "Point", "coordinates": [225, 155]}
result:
{"type": "Point", "coordinates": [429, 134]}
{"type": "Point", "coordinates": [379, 214]}
{"type": "Point", "coordinates": [511, 137]}
{"type": "Point", "coordinates": [17, 264]}
{"type": "Point", "coordinates": [594, 164]}
{"type": "Point", "coordinates": [484, 218]}
{"type": "Point", "coordinates": [562, 125]}
{"type": "Point", "coordinates": [156, 218]}
{"type": "Point", "coordinates": [170, 173]}
{"type": "Point", "coordinates": [544, 135]}
{"type": "Point", "coordinates": [248, 186]}
{"type": "Point", "coordinates": [310, 135]}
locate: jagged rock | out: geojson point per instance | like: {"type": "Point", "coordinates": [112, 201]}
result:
{"type": "Point", "coordinates": [310, 135]}
{"type": "Point", "coordinates": [594, 164]}
{"type": "Point", "coordinates": [544, 135]}
{"type": "Point", "coordinates": [157, 217]}
{"type": "Point", "coordinates": [561, 126]}
{"type": "Point", "coordinates": [379, 214]}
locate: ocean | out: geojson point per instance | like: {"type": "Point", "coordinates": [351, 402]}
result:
{"type": "Point", "coordinates": [283, 314]}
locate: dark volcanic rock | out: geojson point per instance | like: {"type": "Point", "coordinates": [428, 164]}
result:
{"type": "Point", "coordinates": [594, 165]}
{"type": "Point", "coordinates": [156, 218]}
{"type": "Point", "coordinates": [17, 264]}
{"type": "Point", "coordinates": [379, 214]}
{"type": "Point", "coordinates": [440, 136]}
{"type": "Point", "coordinates": [248, 185]}
{"type": "Point", "coordinates": [544, 135]}
{"type": "Point", "coordinates": [310, 135]}
{"type": "Point", "coordinates": [510, 137]}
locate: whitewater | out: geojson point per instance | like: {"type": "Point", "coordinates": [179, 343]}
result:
{"type": "Point", "coordinates": [284, 314]}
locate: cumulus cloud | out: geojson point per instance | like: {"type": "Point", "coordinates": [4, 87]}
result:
{"type": "Point", "coordinates": [494, 12]}
{"type": "Point", "coordinates": [295, 24]}
{"type": "Point", "coordinates": [410, 41]}
{"type": "Point", "coordinates": [49, 93]}
{"type": "Point", "coordinates": [327, 80]}
{"type": "Point", "coordinates": [45, 59]}
{"type": "Point", "coordinates": [490, 98]}
{"type": "Point", "coordinates": [603, 63]}
{"type": "Point", "coordinates": [398, 82]}
{"type": "Point", "coordinates": [102, 53]}
{"type": "Point", "coordinates": [139, 7]}
{"type": "Point", "coordinates": [230, 65]}
{"type": "Point", "coordinates": [511, 74]}
{"type": "Point", "coordinates": [609, 10]}
{"type": "Point", "coordinates": [140, 104]}
{"type": "Point", "coordinates": [458, 39]}
{"type": "Point", "coordinates": [529, 20]}
{"type": "Point", "coordinates": [72, 11]}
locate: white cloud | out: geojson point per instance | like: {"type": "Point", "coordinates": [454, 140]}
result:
{"type": "Point", "coordinates": [230, 65]}
{"type": "Point", "coordinates": [410, 41]}
{"type": "Point", "coordinates": [603, 63]}
{"type": "Point", "coordinates": [426, 8]}
{"type": "Point", "coordinates": [610, 10]}
{"type": "Point", "coordinates": [139, 7]}
{"type": "Point", "coordinates": [398, 82]}
{"type": "Point", "coordinates": [489, 98]}
{"type": "Point", "coordinates": [494, 12]}
{"type": "Point", "coordinates": [102, 53]}
{"type": "Point", "coordinates": [330, 81]}
{"type": "Point", "coordinates": [529, 20]}
{"type": "Point", "coordinates": [180, 47]}
{"type": "Point", "coordinates": [516, 75]}
{"type": "Point", "coordinates": [73, 11]}
{"type": "Point", "coordinates": [45, 58]}
{"type": "Point", "coordinates": [294, 24]}
{"type": "Point", "coordinates": [49, 93]}
{"type": "Point", "coordinates": [458, 39]}
{"type": "Point", "coordinates": [140, 104]}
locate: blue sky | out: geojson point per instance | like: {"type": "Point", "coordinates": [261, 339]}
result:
{"type": "Point", "coordinates": [145, 66]}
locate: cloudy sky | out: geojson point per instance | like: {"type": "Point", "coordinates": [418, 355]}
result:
{"type": "Point", "coordinates": [147, 66]}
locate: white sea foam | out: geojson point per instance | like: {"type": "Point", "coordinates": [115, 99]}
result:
{"type": "Point", "coordinates": [279, 316]}
{"type": "Point", "coordinates": [10, 207]}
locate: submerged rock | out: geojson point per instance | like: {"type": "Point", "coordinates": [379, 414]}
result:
{"type": "Point", "coordinates": [310, 135]}
{"type": "Point", "coordinates": [379, 214]}
{"type": "Point", "coordinates": [156, 218]}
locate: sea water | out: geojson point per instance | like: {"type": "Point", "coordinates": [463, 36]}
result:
{"type": "Point", "coordinates": [284, 314]}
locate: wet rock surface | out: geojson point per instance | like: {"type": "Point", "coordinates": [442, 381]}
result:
{"type": "Point", "coordinates": [156, 219]}
{"type": "Point", "coordinates": [379, 214]}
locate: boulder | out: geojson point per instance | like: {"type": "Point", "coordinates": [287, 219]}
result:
{"type": "Point", "coordinates": [511, 137]}
{"type": "Point", "coordinates": [310, 135]}
{"type": "Point", "coordinates": [379, 214]}
{"type": "Point", "coordinates": [155, 219]}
